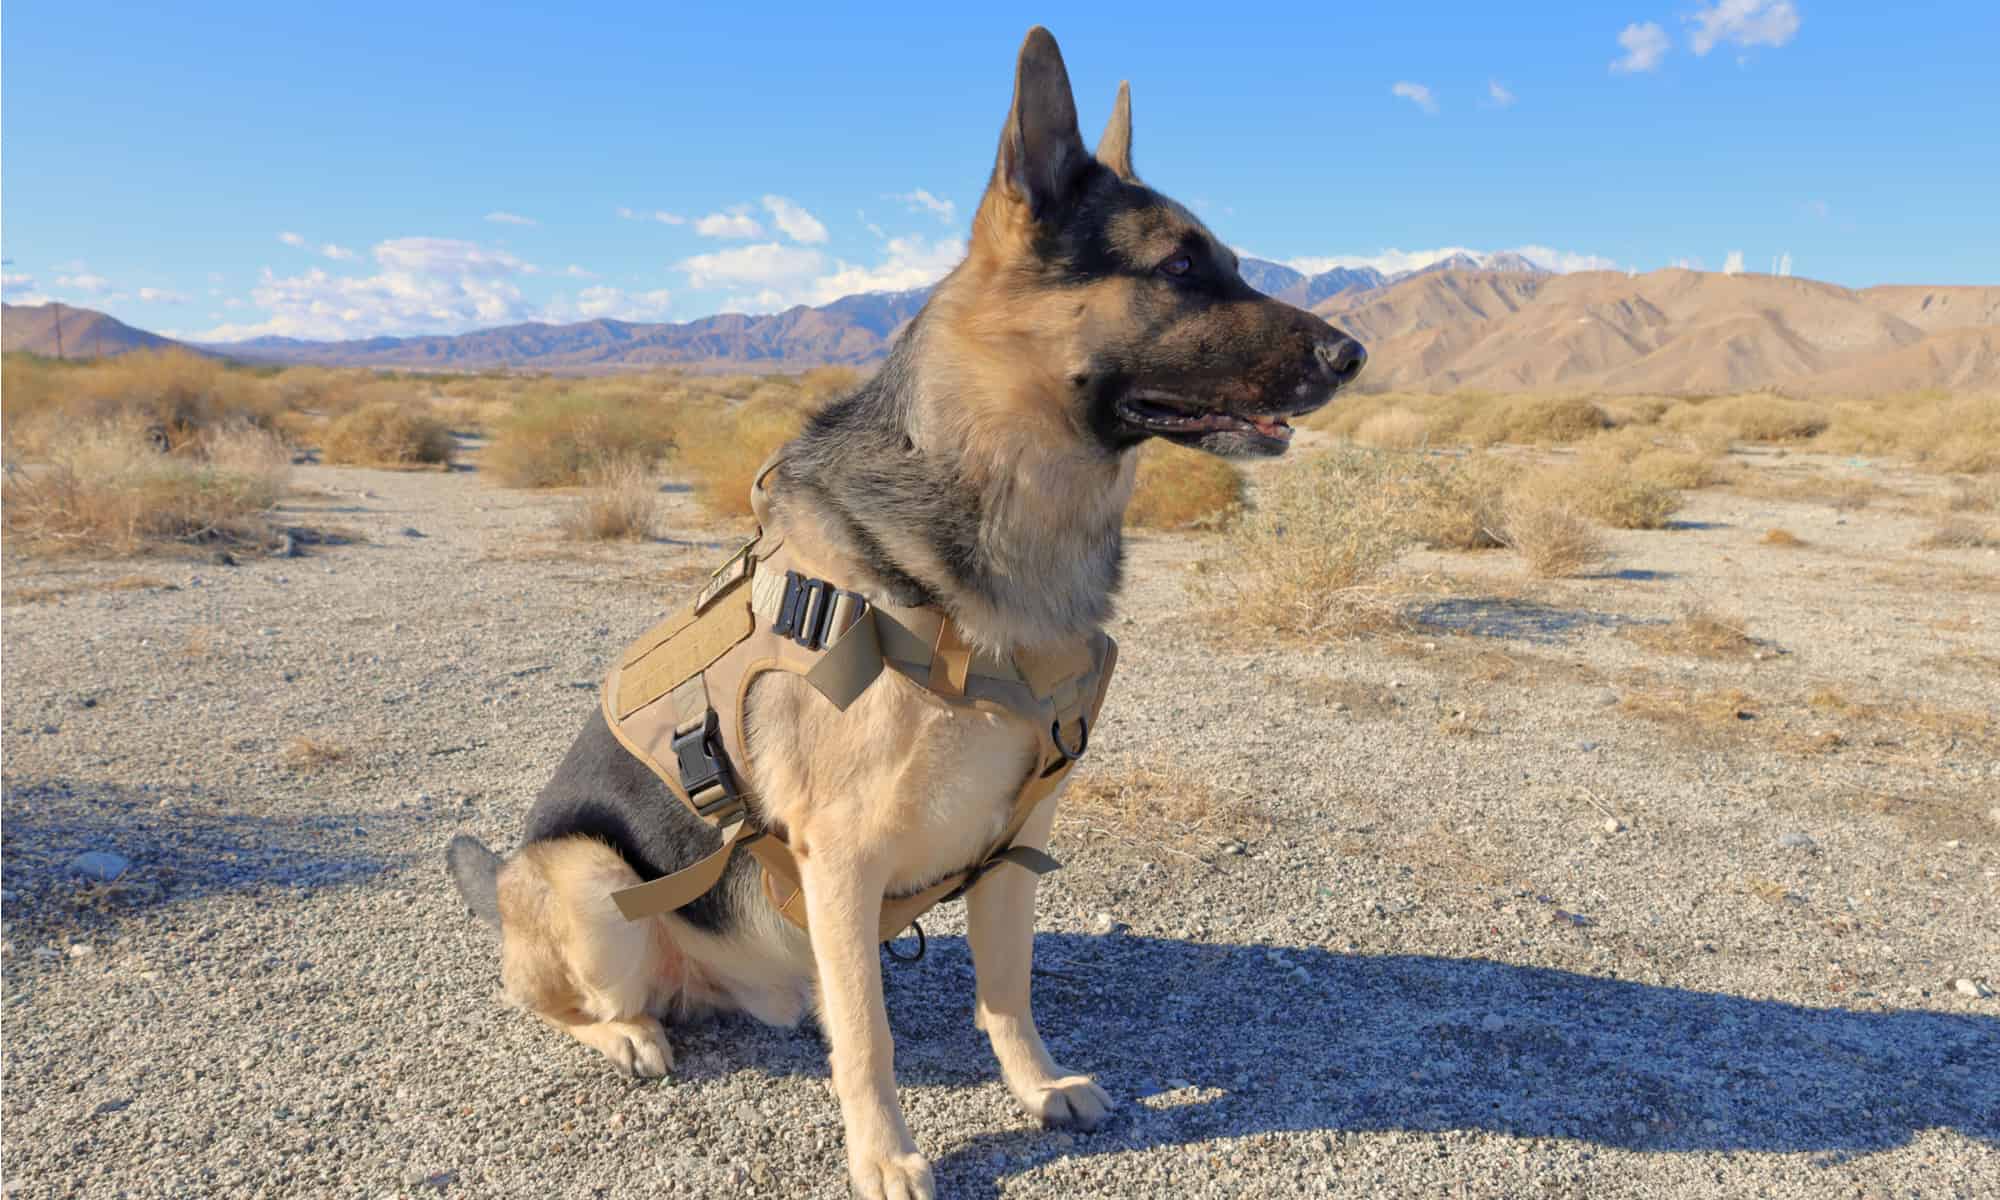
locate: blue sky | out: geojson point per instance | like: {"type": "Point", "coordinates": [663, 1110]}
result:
{"type": "Point", "coordinates": [230, 170]}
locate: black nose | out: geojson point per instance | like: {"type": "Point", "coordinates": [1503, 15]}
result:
{"type": "Point", "coordinates": [1341, 359]}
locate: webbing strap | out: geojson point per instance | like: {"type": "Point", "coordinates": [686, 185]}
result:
{"type": "Point", "coordinates": [656, 897]}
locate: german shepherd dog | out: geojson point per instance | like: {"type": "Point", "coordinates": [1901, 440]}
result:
{"type": "Point", "coordinates": [985, 470]}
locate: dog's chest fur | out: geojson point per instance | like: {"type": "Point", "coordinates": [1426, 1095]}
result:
{"type": "Point", "coordinates": [898, 785]}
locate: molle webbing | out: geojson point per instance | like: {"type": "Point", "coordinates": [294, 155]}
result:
{"type": "Point", "coordinates": [678, 697]}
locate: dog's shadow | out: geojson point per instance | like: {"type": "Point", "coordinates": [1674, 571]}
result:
{"type": "Point", "coordinates": [1211, 1041]}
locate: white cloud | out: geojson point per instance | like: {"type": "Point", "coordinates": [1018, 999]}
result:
{"type": "Point", "coordinates": [1498, 91]}
{"type": "Point", "coordinates": [736, 223]}
{"type": "Point", "coordinates": [594, 302]}
{"type": "Point", "coordinates": [766, 263]}
{"type": "Point", "coordinates": [422, 285]}
{"type": "Point", "coordinates": [576, 272]}
{"type": "Point", "coordinates": [1743, 23]}
{"type": "Point", "coordinates": [1785, 264]}
{"type": "Point", "coordinates": [162, 296]}
{"type": "Point", "coordinates": [13, 284]}
{"type": "Point", "coordinates": [1645, 45]}
{"type": "Point", "coordinates": [920, 200]}
{"type": "Point", "coordinates": [913, 262]}
{"type": "Point", "coordinates": [794, 222]}
{"type": "Point", "coordinates": [1564, 261]}
{"type": "Point", "coordinates": [776, 276]}
{"type": "Point", "coordinates": [1415, 93]}
{"type": "Point", "coordinates": [660, 215]}
{"type": "Point", "coordinates": [336, 253]}
{"type": "Point", "coordinates": [292, 239]}
{"type": "Point", "coordinates": [85, 282]}
{"type": "Point", "coordinates": [507, 218]}
{"type": "Point", "coordinates": [1733, 265]}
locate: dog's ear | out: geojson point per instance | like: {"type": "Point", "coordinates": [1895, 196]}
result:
{"type": "Point", "coordinates": [1041, 152]}
{"type": "Point", "coordinates": [1114, 149]}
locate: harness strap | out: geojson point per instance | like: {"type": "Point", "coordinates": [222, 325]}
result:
{"type": "Point", "coordinates": [661, 702]}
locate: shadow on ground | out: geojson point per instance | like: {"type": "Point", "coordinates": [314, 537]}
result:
{"type": "Point", "coordinates": [1302, 1039]}
{"type": "Point", "coordinates": [1524, 620]}
{"type": "Point", "coordinates": [179, 846]}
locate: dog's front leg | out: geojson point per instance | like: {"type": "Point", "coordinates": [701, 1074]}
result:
{"type": "Point", "coordinates": [1000, 918]}
{"type": "Point", "coordinates": [843, 909]}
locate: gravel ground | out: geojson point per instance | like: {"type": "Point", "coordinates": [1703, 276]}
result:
{"type": "Point", "coordinates": [1496, 936]}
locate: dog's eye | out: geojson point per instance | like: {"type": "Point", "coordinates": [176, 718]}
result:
{"type": "Point", "coordinates": [1177, 266]}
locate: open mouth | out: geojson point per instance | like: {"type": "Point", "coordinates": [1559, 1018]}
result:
{"type": "Point", "coordinates": [1178, 417]}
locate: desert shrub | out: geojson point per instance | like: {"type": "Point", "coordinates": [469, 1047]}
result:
{"type": "Point", "coordinates": [1456, 504]}
{"type": "Point", "coordinates": [1179, 488]}
{"type": "Point", "coordinates": [1395, 429]}
{"type": "Point", "coordinates": [1958, 533]}
{"type": "Point", "coordinates": [1935, 430]}
{"type": "Point", "coordinates": [175, 397]}
{"type": "Point", "coordinates": [560, 431]}
{"type": "Point", "coordinates": [1552, 538]}
{"type": "Point", "coordinates": [822, 384]}
{"type": "Point", "coordinates": [1301, 558]}
{"type": "Point", "coordinates": [1784, 539]}
{"type": "Point", "coordinates": [1533, 420]}
{"type": "Point", "coordinates": [388, 433]}
{"type": "Point", "coordinates": [112, 489]}
{"type": "Point", "coordinates": [621, 502]}
{"type": "Point", "coordinates": [1756, 417]}
{"type": "Point", "coordinates": [721, 451]}
{"type": "Point", "coordinates": [1603, 491]}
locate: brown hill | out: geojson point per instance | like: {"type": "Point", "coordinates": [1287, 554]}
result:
{"type": "Point", "coordinates": [66, 331]}
{"type": "Point", "coordinates": [851, 330]}
{"type": "Point", "coordinates": [1670, 331]}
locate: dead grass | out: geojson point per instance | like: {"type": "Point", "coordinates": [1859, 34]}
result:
{"type": "Point", "coordinates": [173, 398]}
{"type": "Point", "coordinates": [1307, 557]}
{"type": "Point", "coordinates": [388, 433]}
{"type": "Point", "coordinates": [1782, 538]}
{"type": "Point", "coordinates": [1960, 534]}
{"type": "Point", "coordinates": [1756, 417]}
{"type": "Point", "coordinates": [48, 593]}
{"type": "Point", "coordinates": [621, 503]}
{"type": "Point", "coordinates": [112, 489]}
{"type": "Point", "coordinates": [1456, 504]}
{"type": "Point", "coordinates": [1845, 493]}
{"type": "Point", "coordinates": [1179, 488]}
{"type": "Point", "coordinates": [1691, 709]}
{"type": "Point", "coordinates": [1698, 631]}
{"type": "Point", "coordinates": [305, 755]}
{"type": "Point", "coordinates": [1150, 812]}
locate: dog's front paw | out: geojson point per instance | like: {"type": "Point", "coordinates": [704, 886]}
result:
{"type": "Point", "coordinates": [894, 1175]}
{"type": "Point", "coordinates": [637, 1047]}
{"type": "Point", "coordinates": [1066, 1101]}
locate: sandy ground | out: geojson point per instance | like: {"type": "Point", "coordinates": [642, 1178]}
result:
{"type": "Point", "coordinates": [1487, 931]}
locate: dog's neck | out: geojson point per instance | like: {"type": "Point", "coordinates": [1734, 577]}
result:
{"type": "Point", "coordinates": [930, 496]}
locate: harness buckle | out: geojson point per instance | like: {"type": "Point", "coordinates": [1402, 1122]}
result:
{"type": "Point", "coordinates": [703, 765]}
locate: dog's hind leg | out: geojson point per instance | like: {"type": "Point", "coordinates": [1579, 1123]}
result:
{"type": "Point", "coordinates": [570, 957]}
{"type": "Point", "coordinates": [1000, 924]}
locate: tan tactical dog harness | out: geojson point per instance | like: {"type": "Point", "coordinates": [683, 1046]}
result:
{"type": "Point", "coordinates": [678, 695]}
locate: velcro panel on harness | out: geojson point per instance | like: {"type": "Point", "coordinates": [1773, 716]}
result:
{"type": "Point", "coordinates": [686, 650]}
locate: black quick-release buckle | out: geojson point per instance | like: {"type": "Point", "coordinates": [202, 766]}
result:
{"type": "Point", "coordinates": [704, 765]}
{"type": "Point", "coordinates": [805, 612]}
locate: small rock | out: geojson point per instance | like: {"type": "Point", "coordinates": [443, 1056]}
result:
{"type": "Point", "coordinates": [1795, 840]}
{"type": "Point", "coordinates": [411, 531]}
{"type": "Point", "coordinates": [1493, 1022]}
{"type": "Point", "coordinates": [1613, 825]}
{"type": "Point", "coordinates": [111, 1106]}
{"type": "Point", "coordinates": [1102, 923]}
{"type": "Point", "coordinates": [1233, 847]}
{"type": "Point", "coordinates": [1971, 989]}
{"type": "Point", "coordinates": [760, 1173]}
{"type": "Point", "coordinates": [81, 950]}
{"type": "Point", "coordinates": [1607, 697]}
{"type": "Point", "coordinates": [1586, 747]}
{"type": "Point", "coordinates": [101, 865]}
{"type": "Point", "coordinates": [747, 1113]}
{"type": "Point", "coordinates": [1993, 815]}
{"type": "Point", "coordinates": [414, 1178]}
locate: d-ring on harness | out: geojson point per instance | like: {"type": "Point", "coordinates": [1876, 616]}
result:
{"type": "Point", "coordinates": [678, 697]}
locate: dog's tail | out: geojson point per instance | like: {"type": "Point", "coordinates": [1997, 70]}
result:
{"type": "Point", "coordinates": [476, 871]}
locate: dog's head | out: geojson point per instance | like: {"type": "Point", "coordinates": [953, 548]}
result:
{"type": "Point", "coordinates": [1129, 310]}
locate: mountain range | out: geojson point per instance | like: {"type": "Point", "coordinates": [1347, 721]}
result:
{"type": "Point", "coordinates": [1496, 322]}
